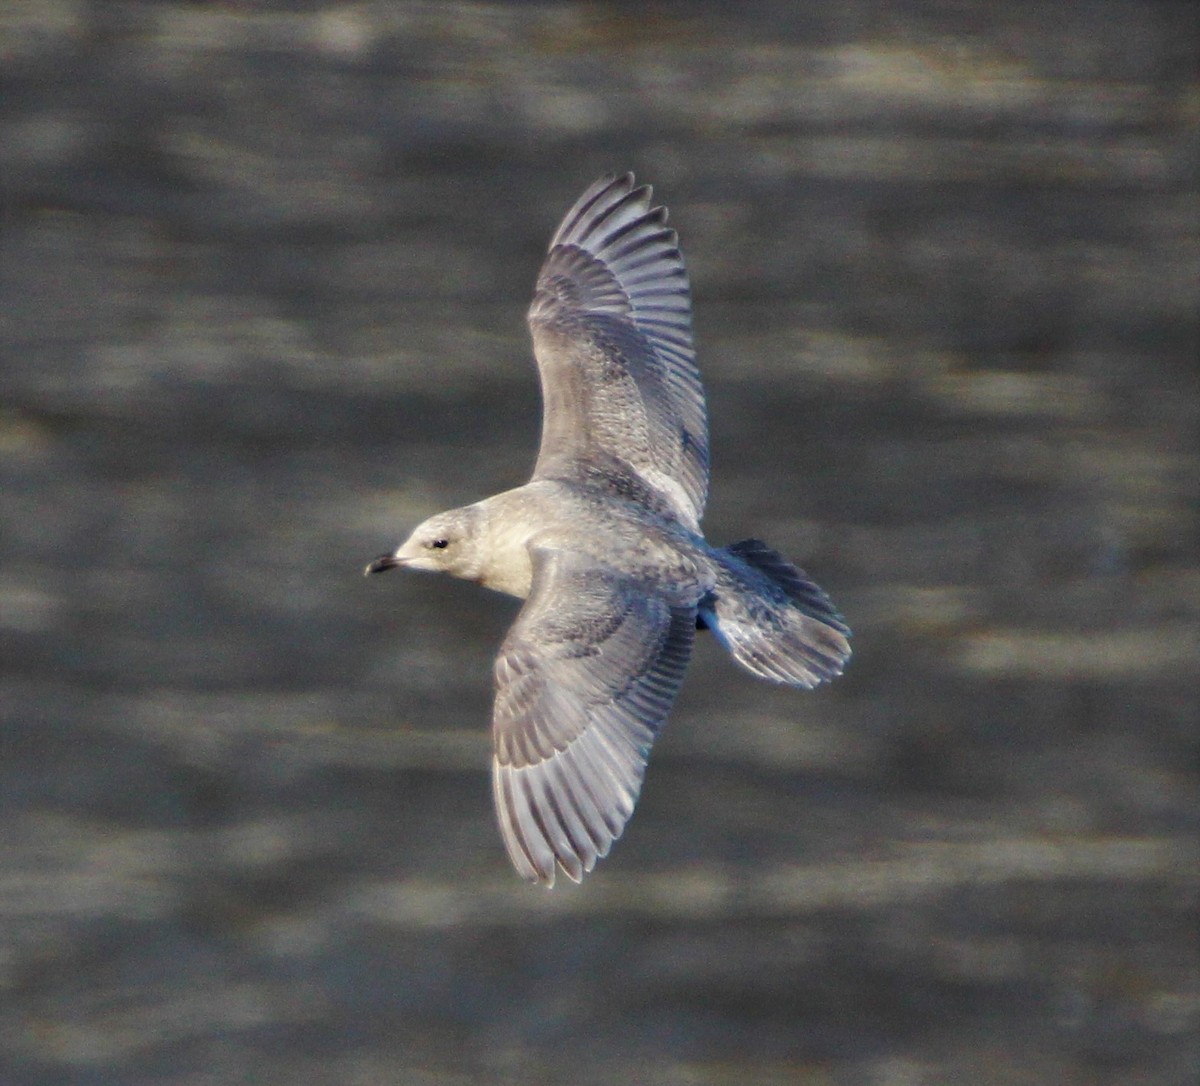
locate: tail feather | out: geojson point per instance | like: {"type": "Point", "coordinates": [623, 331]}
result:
{"type": "Point", "coordinates": [775, 621]}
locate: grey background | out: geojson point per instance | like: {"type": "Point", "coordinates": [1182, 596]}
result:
{"type": "Point", "coordinates": [263, 271]}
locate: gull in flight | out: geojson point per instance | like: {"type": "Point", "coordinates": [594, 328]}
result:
{"type": "Point", "coordinates": [604, 545]}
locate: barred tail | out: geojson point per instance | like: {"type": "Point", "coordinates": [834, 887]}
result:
{"type": "Point", "coordinates": [774, 621]}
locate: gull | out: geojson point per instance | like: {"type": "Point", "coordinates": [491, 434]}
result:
{"type": "Point", "coordinates": [604, 545]}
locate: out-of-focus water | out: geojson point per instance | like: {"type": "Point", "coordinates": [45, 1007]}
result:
{"type": "Point", "coordinates": [263, 271]}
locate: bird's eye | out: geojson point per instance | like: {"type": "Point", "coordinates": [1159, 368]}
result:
{"type": "Point", "coordinates": [440, 544]}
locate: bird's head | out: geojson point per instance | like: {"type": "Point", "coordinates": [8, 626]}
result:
{"type": "Point", "coordinates": [445, 543]}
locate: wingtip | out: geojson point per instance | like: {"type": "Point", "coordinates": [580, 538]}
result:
{"type": "Point", "coordinates": [636, 193]}
{"type": "Point", "coordinates": [615, 177]}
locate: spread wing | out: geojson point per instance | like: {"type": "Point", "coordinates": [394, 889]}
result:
{"type": "Point", "coordinates": [584, 681]}
{"type": "Point", "coordinates": [612, 332]}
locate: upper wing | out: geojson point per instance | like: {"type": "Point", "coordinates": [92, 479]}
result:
{"type": "Point", "coordinates": [612, 331]}
{"type": "Point", "coordinates": [584, 681]}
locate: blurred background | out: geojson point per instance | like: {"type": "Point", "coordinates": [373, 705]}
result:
{"type": "Point", "coordinates": [263, 274]}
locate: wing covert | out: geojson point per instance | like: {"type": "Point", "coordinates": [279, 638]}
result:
{"type": "Point", "coordinates": [611, 323]}
{"type": "Point", "coordinates": [584, 682]}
